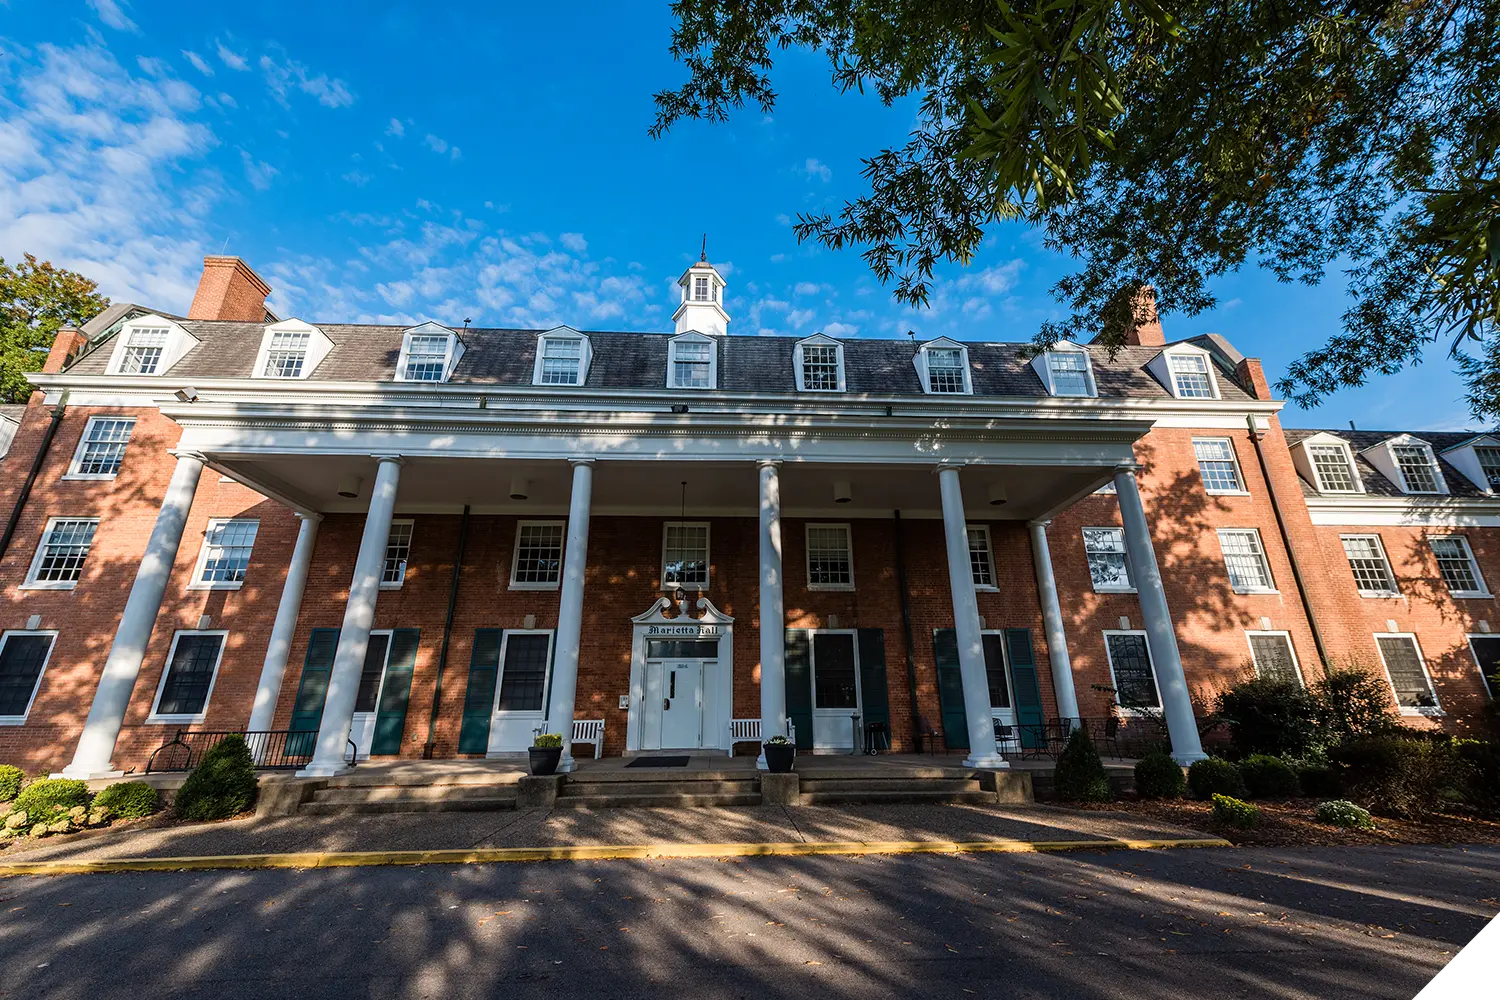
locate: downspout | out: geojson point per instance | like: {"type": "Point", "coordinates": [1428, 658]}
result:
{"type": "Point", "coordinates": [442, 664]}
{"type": "Point", "coordinates": [911, 663]}
{"type": "Point", "coordinates": [36, 468]}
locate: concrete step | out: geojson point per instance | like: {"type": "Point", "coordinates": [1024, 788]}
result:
{"type": "Point", "coordinates": [631, 776]}
{"type": "Point", "coordinates": [573, 788]}
{"type": "Point", "coordinates": [934, 785]}
{"type": "Point", "coordinates": [413, 793]}
{"type": "Point", "coordinates": [487, 804]}
{"type": "Point", "coordinates": [627, 798]}
{"type": "Point", "coordinates": [873, 796]}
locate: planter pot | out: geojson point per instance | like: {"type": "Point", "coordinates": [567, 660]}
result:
{"type": "Point", "coordinates": [779, 757]}
{"type": "Point", "coordinates": [544, 760]}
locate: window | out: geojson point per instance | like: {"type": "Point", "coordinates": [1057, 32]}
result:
{"type": "Point", "coordinates": [692, 364]}
{"type": "Point", "coordinates": [821, 367]}
{"type": "Point", "coordinates": [1408, 674]}
{"type": "Point", "coordinates": [1217, 465]}
{"type": "Point", "coordinates": [539, 552]}
{"type": "Point", "coordinates": [561, 361]}
{"type": "Point", "coordinates": [182, 695]}
{"type": "Point", "coordinates": [1246, 560]}
{"type": "Point", "coordinates": [287, 353]}
{"type": "Point", "coordinates": [980, 562]}
{"type": "Point", "coordinates": [1372, 571]}
{"type": "Point", "coordinates": [372, 674]}
{"type": "Point", "coordinates": [226, 553]}
{"type": "Point", "coordinates": [23, 658]}
{"type": "Point", "coordinates": [945, 370]}
{"type": "Point", "coordinates": [1333, 468]}
{"type": "Point", "coordinates": [830, 566]}
{"type": "Point", "coordinates": [1274, 657]}
{"type": "Point", "coordinates": [426, 357]}
{"type": "Point", "coordinates": [397, 551]}
{"type": "Point", "coordinates": [101, 450]}
{"type": "Point", "coordinates": [523, 672]}
{"type": "Point", "coordinates": [144, 347]}
{"type": "Point", "coordinates": [835, 671]}
{"type": "Point", "coordinates": [994, 668]}
{"type": "Point", "coordinates": [1108, 567]}
{"type": "Point", "coordinates": [1456, 562]}
{"type": "Point", "coordinates": [1070, 373]}
{"type": "Point", "coordinates": [1130, 666]}
{"type": "Point", "coordinates": [58, 563]}
{"type": "Point", "coordinates": [1486, 650]}
{"type": "Point", "coordinates": [684, 561]}
{"type": "Point", "coordinates": [1489, 464]}
{"type": "Point", "coordinates": [702, 288]}
{"type": "Point", "coordinates": [1419, 470]}
{"type": "Point", "coordinates": [1190, 376]}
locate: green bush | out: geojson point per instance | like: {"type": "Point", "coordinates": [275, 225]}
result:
{"type": "Point", "coordinates": [1480, 781]}
{"type": "Point", "coordinates": [1213, 775]}
{"type": "Point", "coordinates": [1079, 775]}
{"type": "Point", "coordinates": [11, 779]}
{"type": "Point", "coordinates": [1268, 716]}
{"type": "Point", "coordinates": [1158, 776]}
{"type": "Point", "coordinates": [222, 785]}
{"type": "Point", "coordinates": [128, 800]}
{"type": "Point", "coordinates": [1230, 811]}
{"type": "Point", "coordinates": [1397, 775]}
{"type": "Point", "coordinates": [1353, 704]}
{"type": "Point", "coordinates": [1343, 813]}
{"type": "Point", "coordinates": [1317, 780]}
{"type": "Point", "coordinates": [1268, 777]}
{"type": "Point", "coordinates": [547, 741]}
{"type": "Point", "coordinates": [41, 798]}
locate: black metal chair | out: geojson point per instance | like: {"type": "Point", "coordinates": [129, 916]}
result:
{"type": "Point", "coordinates": [877, 738]}
{"type": "Point", "coordinates": [926, 732]}
{"type": "Point", "coordinates": [1007, 739]}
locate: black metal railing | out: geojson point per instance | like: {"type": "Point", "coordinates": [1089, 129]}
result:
{"type": "Point", "coordinates": [278, 749]}
{"type": "Point", "coordinates": [1112, 737]}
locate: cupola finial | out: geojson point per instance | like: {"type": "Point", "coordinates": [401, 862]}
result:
{"type": "Point", "coordinates": [703, 254]}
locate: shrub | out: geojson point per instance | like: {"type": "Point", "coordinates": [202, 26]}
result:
{"type": "Point", "coordinates": [1230, 811]}
{"type": "Point", "coordinates": [1079, 776]}
{"type": "Point", "coordinates": [128, 800]}
{"type": "Point", "coordinates": [222, 785]}
{"type": "Point", "coordinates": [11, 779]}
{"type": "Point", "coordinates": [1214, 775]}
{"type": "Point", "coordinates": [1341, 812]}
{"type": "Point", "coordinates": [1397, 775]}
{"type": "Point", "coordinates": [1268, 716]}
{"type": "Point", "coordinates": [40, 799]}
{"type": "Point", "coordinates": [547, 741]}
{"type": "Point", "coordinates": [1158, 776]}
{"type": "Point", "coordinates": [1268, 777]}
{"type": "Point", "coordinates": [1480, 781]}
{"type": "Point", "coordinates": [1317, 780]}
{"type": "Point", "coordinates": [1352, 704]}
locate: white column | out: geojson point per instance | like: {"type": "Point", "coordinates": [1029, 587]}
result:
{"type": "Point", "coordinates": [1052, 623]}
{"type": "Point", "coordinates": [268, 691]}
{"type": "Point", "coordinates": [123, 664]}
{"type": "Point", "coordinates": [1161, 638]}
{"type": "Point", "coordinates": [354, 634]}
{"type": "Point", "coordinates": [570, 612]}
{"type": "Point", "coordinates": [982, 749]}
{"type": "Point", "coordinates": [772, 610]}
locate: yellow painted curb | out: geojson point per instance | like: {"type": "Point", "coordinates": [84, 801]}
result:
{"type": "Point", "coordinates": [351, 859]}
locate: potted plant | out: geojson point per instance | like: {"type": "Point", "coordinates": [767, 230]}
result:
{"type": "Point", "coordinates": [780, 753]}
{"type": "Point", "coordinates": [546, 751]}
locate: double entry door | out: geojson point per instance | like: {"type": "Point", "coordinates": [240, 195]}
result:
{"type": "Point", "coordinates": [673, 704]}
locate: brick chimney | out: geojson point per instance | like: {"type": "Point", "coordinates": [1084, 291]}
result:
{"type": "Point", "coordinates": [1253, 378]}
{"type": "Point", "coordinates": [1148, 331]}
{"type": "Point", "coordinates": [65, 347]}
{"type": "Point", "coordinates": [229, 290]}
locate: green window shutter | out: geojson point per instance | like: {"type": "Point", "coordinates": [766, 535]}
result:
{"type": "Point", "coordinates": [307, 710]}
{"type": "Point", "coordinates": [395, 692]}
{"type": "Point", "coordinates": [874, 698]}
{"type": "Point", "coordinates": [955, 724]}
{"type": "Point", "coordinates": [479, 701]}
{"type": "Point", "coordinates": [1028, 695]}
{"type": "Point", "coordinates": [799, 696]}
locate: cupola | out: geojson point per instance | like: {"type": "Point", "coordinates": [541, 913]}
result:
{"type": "Point", "coordinates": [702, 308]}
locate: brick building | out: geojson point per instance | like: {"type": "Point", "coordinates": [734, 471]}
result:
{"type": "Point", "coordinates": [439, 541]}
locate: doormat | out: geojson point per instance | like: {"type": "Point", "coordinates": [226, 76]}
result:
{"type": "Point", "coordinates": [658, 762]}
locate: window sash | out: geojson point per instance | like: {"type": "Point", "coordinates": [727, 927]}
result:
{"type": "Point", "coordinates": [1367, 561]}
{"type": "Point", "coordinates": [539, 554]}
{"type": "Point", "coordinates": [1407, 673]}
{"type": "Point", "coordinates": [981, 565]}
{"type": "Point", "coordinates": [397, 552]}
{"type": "Point", "coordinates": [372, 673]}
{"type": "Point", "coordinates": [23, 659]}
{"type": "Point", "coordinates": [1069, 374]}
{"type": "Point", "coordinates": [64, 549]}
{"type": "Point", "coordinates": [562, 361]}
{"type": "Point", "coordinates": [1245, 559]}
{"type": "Point", "coordinates": [701, 292]}
{"type": "Point", "coordinates": [684, 555]}
{"type": "Point", "coordinates": [691, 362]}
{"type": "Point", "coordinates": [140, 360]}
{"type": "Point", "coordinates": [189, 675]}
{"type": "Point", "coordinates": [427, 357]}
{"type": "Point", "coordinates": [1274, 657]}
{"type": "Point", "coordinates": [1134, 675]}
{"type": "Point", "coordinates": [1489, 464]}
{"type": "Point", "coordinates": [835, 671]}
{"type": "Point", "coordinates": [1190, 376]}
{"type": "Point", "coordinates": [1333, 467]}
{"type": "Point", "coordinates": [227, 546]}
{"type": "Point", "coordinates": [102, 449]}
{"type": "Point", "coordinates": [523, 673]}
{"type": "Point", "coordinates": [820, 367]}
{"type": "Point", "coordinates": [284, 364]}
{"type": "Point", "coordinates": [1456, 564]}
{"type": "Point", "coordinates": [994, 668]}
{"type": "Point", "coordinates": [1418, 470]}
{"type": "Point", "coordinates": [830, 564]}
{"type": "Point", "coordinates": [1217, 465]}
{"type": "Point", "coordinates": [945, 369]}
{"type": "Point", "coordinates": [1109, 567]}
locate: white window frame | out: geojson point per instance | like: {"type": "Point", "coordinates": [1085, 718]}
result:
{"type": "Point", "coordinates": [585, 356]}
{"type": "Point", "coordinates": [1390, 572]}
{"type": "Point", "coordinates": [31, 582]}
{"type": "Point", "coordinates": [1161, 367]}
{"type": "Point", "coordinates": [1407, 441]}
{"type": "Point", "coordinates": [1355, 478]}
{"type": "Point", "coordinates": [5, 636]}
{"type": "Point", "coordinates": [707, 555]}
{"type": "Point", "coordinates": [455, 351]}
{"type": "Point", "coordinates": [496, 712]}
{"type": "Point", "coordinates": [1265, 561]}
{"type": "Point", "coordinates": [1483, 593]}
{"type": "Point", "coordinates": [1129, 588]}
{"type": "Point", "coordinates": [943, 344]}
{"type": "Point", "coordinates": [1114, 684]}
{"type": "Point", "coordinates": [83, 443]}
{"type": "Point", "coordinates": [1290, 645]}
{"type": "Point", "coordinates": [989, 556]}
{"type": "Point", "coordinates": [713, 361]}
{"type": "Point", "coordinates": [807, 531]}
{"type": "Point", "coordinates": [1234, 460]}
{"type": "Point", "coordinates": [398, 583]}
{"type": "Point", "coordinates": [318, 346]}
{"type": "Point", "coordinates": [157, 719]}
{"type": "Point", "coordinates": [1483, 680]}
{"type": "Point", "coordinates": [1435, 709]}
{"type": "Point", "coordinates": [198, 583]}
{"type": "Point", "coordinates": [1042, 365]}
{"type": "Point", "coordinates": [515, 554]}
{"type": "Point", "coordinates": [798, 362]}
{"type": "Point", "coordinates": [177, 344]}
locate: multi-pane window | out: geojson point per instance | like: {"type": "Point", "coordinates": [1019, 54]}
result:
{"type": "Point", "coordinates": [980, 563]}
{"type": "Point", "coordinates": [691, 364]}
{"type": "Point", "coordinates": [1418, 469]}
{"type": "Point", "coordinates": [994, 668]}
{"type": "Point", "coordinates": [372, 674]}
{"type": "Point", "coordinates": [1372, 571]}
{"type": "Point", "coordinates": [1273, 656]}
{"type": "Point", "coordinates": [835, 671]}
{"type": "Point", "coordinates": [684, 561]}
{"type": "Point", "coordinates": [1489, 464]}
{"type": "Point", "coordinates": [1130, 664]}
{"type": "Point", "coordinates": [426, 357]}
{"type": "Point", "coordinates": [1408, 674]}
{"type": "Point", "coordinates": [143, 350]}
{"type": "Point", "coordinates": [189, 677]}
{"type": "Point", "coordinates": [397, 551]}
{"type": "Point", "coordinates": [1070, 373]}
{"type": "Point", "coordinates": [226, 551]}
{"type": "Point", "coordinates": [945, 369]}
{"type": "Point", "coordinates": [1245, 559]}
{"type": "Point", "coordinates": [523, 673]}
{"type": "Point", "coordinates": [562, 361]}
{"type": "Point", "coordinates": [287, 353]}
{"type": "Point", "coordinates": [102, 448]}
{"type": "Point", "coordinates": [1331, 465]}
{"type": "Point", "coordinates": [701, 289]}
{"type": "Point", "coordinates": [820, 367]}
{"type": "Point", "coordinates": [1456, 562]}
{"type": "Point", "coordinates": [1108, 567]}
{"type": "Point", "coordinates": [59, 559]}
{"type": "Point", "coordinates": [1486, 649]}
{"type": "Point", "coordinates": [830, 566]}
{"type": "Point", "coordinates": [1190, 377]}
{"type": "Point", "coordinates": [23, 657]}
{"type": "Point", "coordinates": [1217, 465]}
{"type": "Point", "coordinates": [539, 554]}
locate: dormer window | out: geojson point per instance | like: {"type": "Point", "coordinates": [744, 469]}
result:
{"type": "Point", "coordinates": [1066, 371]}
{"type": "Point", "coordinates": [428, 354]}
{"type": "Point", "coordinates": [1419, 470]}
{"type": "Point", "coordinates": [943, 366]}
{"type": "Point", "coordinates": [691, 362]}
{"type": "Point", "coordinates": [143, 350]}
{"type": "Point", "coordinates": [1489, 464]}
{"type": "Point", "coordinates": [291, 349]}
{"type": "Point", "coordinates": [1190, 376]}
{"type": "Point", "coordinates": [820, 365]}
{"type": "Point", "coordinates": [561, 359]}
{"type": "Point", "coordinates": [1333, 468]}
{"type": "Point", "coordinates": [149, 345]}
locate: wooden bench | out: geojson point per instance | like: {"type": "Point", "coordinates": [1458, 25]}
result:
{"type": "Point", "coordinates": [585, 731]}
{"type": "Point", "coordinates": [748, 731]}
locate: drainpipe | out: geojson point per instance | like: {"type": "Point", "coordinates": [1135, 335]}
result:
{"type": "Point", "coordinates": [36, 468]}
{"type": "Point", "coordinates": [911, 663]}
{"type": "Point", "coordinates": [442, 664]}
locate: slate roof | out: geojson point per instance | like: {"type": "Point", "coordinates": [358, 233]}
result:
{"type": "Point", "coordinates": [12, 411]}
{"type": "Point", "coordinates": [1376, 484]}
{"type": "Point", "coordinates": [367, 353]}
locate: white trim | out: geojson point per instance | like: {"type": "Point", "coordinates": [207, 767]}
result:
{"type": "Point", "coordinates": [1265, 561]}
{"type": "Point", "coordinates": [817, 340]}
{"type": "Point", "coordinates": [83, 442]}
{"type": "Point", "coordinates": [1042, 365]}
{"type": "Point", "coordinates": [31, 582]}
{"type": "Point", "coordinates": [1115, 685]}
{"type": "Point", "coordinates": [723, 708]}
{"type": "Point", "coordinates": [515, 553]}
{"type": "Point", "coordinates": [1290, 645]}
{"type": "Point", "coordinates": [1234, 459]}
{"type": "Point", "coordinates": [807, 555]}
{"type": "Point", "coordinates": [1483, 683]}
{"type": "Point", "coordinates": [9, 426]}
{"type": "Point", "coordinates": [919, 360]}
{"type": "Point", "coordinates": [1383, 457]}
{"type": "Point", "coordinates": [1161, 368]}
{"type": "Point", "coordinates": [1483, 593]}
{"type": "Point", "coordinates": [178, 343]}
{"type": "Point", "coordinates": [495, 710]}
{"type": "Point", "coordinates": [1465, 458]}
{"type": "Point", "coordinates": [398, 584]}
{"type": "Point", "coordinates": [989, 555]}
{"type": "Point", "coordinates": [841, 714]}
{"type": "Point", "coordinates": [451, 356]}
{"type": "Point", "coordinates": [197, 581]}
{"type": "Point", "coordinates": [713, 361]}
{"type": "Point", "coordinates": [161, 684]}
{"type": "Point", "coordinates": [708, 563]}
{"type": "Point", "coordinates": [1436, 708]}
{"type": "Point", "coordinates": [1129, 587]}
{"type": "Point", "coordinates": [318, 348]}
{"type": "Point", "coordinates": [17, 720]}
{"type": "Point", "coordinates": [562, 333]}
{"type": "Point", "coordinates": [1390, 572]}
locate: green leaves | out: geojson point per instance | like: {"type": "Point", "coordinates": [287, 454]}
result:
{"type": "Point", "coordinates": [36, 299]}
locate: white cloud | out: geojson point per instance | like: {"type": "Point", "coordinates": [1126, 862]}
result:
{"type": "Point", "coordinates": [396, 128]}
{"type": "Point", "coordinates": [840, 329]}
{"type": "Point", "coordinates": [799, 317]}
{"type": "Point", "coordinates": [994, 280]}
{"type": "Point", "coordinates": [807, 288]}
{"type": "Point", "coordinates": [817, 169]}
{"type": "Point", "coordinates": [357, 178]}
{"type": "Point", "coordinates": [436, 144]}
{"type": "Point", "coordinates": [231, 58]}
{"type": "Point", "coordinates": [198, 62]}
{"type": "Point", "coordinates": [574, 242]}
{"type": "Point", "coordinates": [110, 13]}
{"type": "Point", "coordinates": [257, 172]}
{"type": "Point", "coordinates": [287, 75]}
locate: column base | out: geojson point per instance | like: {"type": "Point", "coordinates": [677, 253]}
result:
{"type": "Point", "coordinates": [760, 762]}
{"type": "Point", "coordinates": [566, 764]}
{"type": "Point", "coordinates": [1187, 759]}
{"type": "Point", "coordinates": [85, 774]}
{"type": "Point", "coordinates": [323, 771]}
{"type": "Point", "coordinates": [994, 763]}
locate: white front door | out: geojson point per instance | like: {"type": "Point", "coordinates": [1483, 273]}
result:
{"type": "Point", "coordinates": [367, 701]}
{"type": "Point", "coordinates": [835, 670]}
{"type": "Point", "coordinates": [1002, 702]}
{"type": "Point", "coordinates": [682, 704]}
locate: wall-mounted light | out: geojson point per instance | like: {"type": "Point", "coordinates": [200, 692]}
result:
{"type": "Point", "coordinates": [187, 394]}
{"type": "Point", "coordinates": [348, 487]}
{"type": "Point", "coordinates": [997, 495]}
{"type": "Point", "coordinates": [841, 492]}
{"type": "Point", "coordinates": [520, 489]}
{"type": "Point", "coordinates": [679, 408]}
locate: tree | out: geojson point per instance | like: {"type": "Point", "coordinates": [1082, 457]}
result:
{"type": "Point", "coordinates": [36, 299]}
{"type": "Point", "coordinates": [1166, 146]}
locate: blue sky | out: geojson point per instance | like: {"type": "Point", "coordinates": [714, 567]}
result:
{"type": "Point", "coordinates": [440, 161]}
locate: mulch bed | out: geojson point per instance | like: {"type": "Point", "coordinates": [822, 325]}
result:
{"type": "Point", "coordinates": [1290, 823]}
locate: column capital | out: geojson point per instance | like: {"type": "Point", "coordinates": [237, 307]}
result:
{"type": "Point", "coordinates": [575, 462]}
{"type": "Point", "coordinates": [307, 515]}
{"type": "Point", "coordinates": [768, 463]}
{"type": "Point", "coordinates": [180, 453]}
{"type": "Point", "coordinates": [396, 460]}
{"type": "Point", "coordinates": [1130, 467]}
{"type": "Point", "coordinates": [1039, 523]}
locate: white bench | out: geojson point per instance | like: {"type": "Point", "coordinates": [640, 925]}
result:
{"type": "Point", "coordinates": [585, 731]}
{"type": "Point", "coordinates": [748, 731]}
